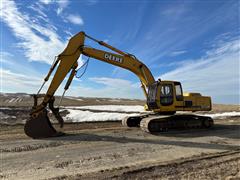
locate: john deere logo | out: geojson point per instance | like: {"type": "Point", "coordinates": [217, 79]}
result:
{"type": "Point", "coordinates": [113, 58]}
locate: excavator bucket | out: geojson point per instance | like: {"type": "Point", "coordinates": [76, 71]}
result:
{"type": "Point", "coordinates": [40, 127]}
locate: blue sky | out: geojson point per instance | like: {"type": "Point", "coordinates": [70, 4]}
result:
{"type": "Point", "coordinates": [195, 42]}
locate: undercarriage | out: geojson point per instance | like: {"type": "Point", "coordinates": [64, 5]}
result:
{"type": "Point", "coordinates": [159, 123]}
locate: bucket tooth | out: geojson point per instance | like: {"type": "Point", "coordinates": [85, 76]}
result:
{"type": "Point", "coordinates": [40, 127]}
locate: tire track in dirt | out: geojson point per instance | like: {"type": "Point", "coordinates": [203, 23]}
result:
{"type": "Point", "coordinates": [211, 166]}
{"type": "Point", "coordinates": [28, 145]}
{"type": "Point", "coordinates": [31, 147]}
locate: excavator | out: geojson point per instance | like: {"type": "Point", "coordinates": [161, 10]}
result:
{"type": "Point", "coordinates": [163, 98]}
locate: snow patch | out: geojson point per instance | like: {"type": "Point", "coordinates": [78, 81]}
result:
{"type": "Point", "coordinates": [15, 100]}
{"type": "Point", "coordinates": [78, 99]}
{"type": "Point", "coordinates": [222, 115]}
{"type": "Point", "coordinates": [114, 100]}
{"type": "Point", "coordinates": [26, 95]}
{"type": "Point", "coordinates": [118, 108]}
{"type": "Point", "coordinates": [12, 100]}
{"type": "Point", "coordinates": [5, 116]}
{"type": "Point", "coordinates": [87, 116]}
{"type": "Point", "coordinates": [3, 94]}
{"type": "Point", "coordinates": [5, 108]}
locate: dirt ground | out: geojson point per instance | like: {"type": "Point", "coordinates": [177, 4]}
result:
{"type": "Point", "coordinates": [107, 150]}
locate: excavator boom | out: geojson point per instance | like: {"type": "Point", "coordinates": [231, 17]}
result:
{"type": "Point", "coordinates": [67, 61]}
{"type": "Point", "coordinates": [162, 96]}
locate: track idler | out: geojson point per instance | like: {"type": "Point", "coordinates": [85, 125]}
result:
{"type": "Point", "coordinates": [40, 126]}
{"type": "Point", "coordinates": [133, 121]}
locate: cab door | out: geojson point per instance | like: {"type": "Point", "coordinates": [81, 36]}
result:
{"type": "Point", "coordinates": [171, 96]}
{"type": "Point", "coordinates": [152, 100]}
{"type": "Point", "coordinates": [179, 100]}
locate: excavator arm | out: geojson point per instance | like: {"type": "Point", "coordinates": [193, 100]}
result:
{"type": "Point", "coordinates": [39, 125]}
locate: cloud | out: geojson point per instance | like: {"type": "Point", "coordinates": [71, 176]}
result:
{"type": "Point", "coordinates": [62, 4]}
{"type": "Point", "coordinates": [106, 40]}
{"type": "Point", "coordinates": [11, 81]}
{"type": "Point", "coordinates": [18, 76]}
{"type": "Point", "coordinates": [4, 54]}
{"type": "Point", "coordinates": [38, 8]}
{"type": "Point", "coordinates": [112, 88]}
{"type": "Point", "coordinates": [75, 19]}
{"type": "Point", "coordinates": [112, 82]}
{"type": "Point", "coordinates": [40, 43]}
{"type": "Point", "coordinates": [182, 30]}
{"type": "Point", "coordinates": [46, 1]}
{"type": "Point", "coordinates": [176, 53]}
{"type": "Point", "coordinates": [30, 83]}
{"type": "Point", "coordinates": [25, 81]}
{"type": "Point", "coordinates": [175, 10]}
{"type": "Point", "coordinates": [216, 74]}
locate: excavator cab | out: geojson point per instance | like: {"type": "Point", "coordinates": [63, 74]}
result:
{"type": "Point", "coordinates": [170, 93]}
{"type": "Point", "coordinates": [167, 97]}
{"type": "Point", "coordinates": [164, 94]}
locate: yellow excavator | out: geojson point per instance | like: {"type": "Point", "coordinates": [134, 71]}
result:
{"type": "Point", "coordinates": [164, 98]}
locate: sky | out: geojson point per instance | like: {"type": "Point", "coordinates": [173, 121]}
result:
{"type": "Point", "coordinates": [194, 42]}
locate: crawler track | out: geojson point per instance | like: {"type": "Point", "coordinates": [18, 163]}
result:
{"type": "Point", "coordinates": [161, 123]}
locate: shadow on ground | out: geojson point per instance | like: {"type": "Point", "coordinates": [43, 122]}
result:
{"type": "Point", "coordinates": [218, 130]}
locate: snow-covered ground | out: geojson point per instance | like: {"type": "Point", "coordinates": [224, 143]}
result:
{"type": "Point", "coordinates": [223, 115]}
{"type": "Point", "coordinates": [87, 116]}
{"type": "Point", "coordinates": [84, 114]}
{"type": "Point", "coordinates": [116, 108]}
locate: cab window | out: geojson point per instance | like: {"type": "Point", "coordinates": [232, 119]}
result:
{"type": "Point", "coordinates": [179, 94]}
{"type": "Point", "coordinates": [165, 90]}
{"type": "Point", "coordinates": [166, 97]}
